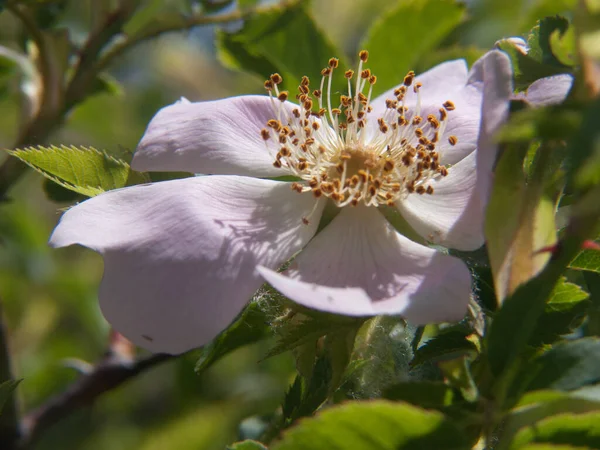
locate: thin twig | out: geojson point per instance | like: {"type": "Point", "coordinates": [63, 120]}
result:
{"type": "Point", "coordinates": [108, 374]}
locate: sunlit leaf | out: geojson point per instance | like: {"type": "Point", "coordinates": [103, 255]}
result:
{"type": "Point", "coordinates": [84, 170]}
{"type": "Point", "coordinates": [411, 29]}
{"type": "Point", "coordinates": [373, 425]}
{"type": "Point", "coordinates": [247, 445]}
{"type": "Point", "coordinates": [587, 260]}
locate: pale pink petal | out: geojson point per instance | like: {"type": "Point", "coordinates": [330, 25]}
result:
{"type": "Point", "coordinates": [360, 266]}
{"type": "Point", "coordinates": [216, 137]}
{"type": "Point", "coordinates": [180, 256]}
{"type": "Point", "coordinates": [548, 91]}
{"type": "Point", "coordinates": [447, 81]}
{"type": "Point", "coordinates": [453, 215]}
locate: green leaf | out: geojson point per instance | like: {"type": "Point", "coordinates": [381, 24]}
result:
{"type": "Point", "coordinates": [373, 425]}
{"type": "Point", "coordinates": [251, 326]}
{"type": "Point", "coordinates": [563, 47]}
{"type": "Point", "coordinates": [567, 303]}
{"type": "Point", "coordinates": [246, 445]}
{"type": "Point", "coordinates": [587, 260]}
{"type": "Point", "coordinates": [6, 389]}
{"type": "Point", "coordinates": [84, 170]}
{"type": "Point", "coordinates": [571, 429]}
{"type": "Point", "coordinates": [426, 394]}
{"type": "Point", "coordinates": [449, 344]}
{"type": "Point", "coordinates": [411, 29]}
{"type": "Point", "coordinates": [568, 365]}
{"type": "Point", "coordinates": [287, 40]}
{"type": "Point", "coordinates": [539, 39]}
{"type": "Point", "coordinates": [539, 405]}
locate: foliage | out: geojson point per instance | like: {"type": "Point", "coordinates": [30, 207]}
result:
{"type": "Point", "coordinates": [522, 372]}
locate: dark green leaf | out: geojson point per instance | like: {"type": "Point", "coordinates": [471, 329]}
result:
{"type": "Point", "coordinates": [373, 425]}
{"type": "Point", "coordinates": [567, 366]}
{"type": "Point", "coordinates": [564, 311]}
{"type": "Point", "coordinates": [392, 41]}
{"type": "Point", "coordinates": [287, 40]}
{"type": "Point", "coordinates": [539, 39]}
{"type": "Point", "coordinates": [251, 326]}
{"type": "Point", "coordinates": [449, 344]}
{"type": "Point", "coordinates": [426, 394]}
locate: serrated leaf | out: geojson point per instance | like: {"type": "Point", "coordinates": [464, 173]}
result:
{"type": "Point", "coordinates": [572, 429]}
{"type": "Point", "coordinates": [447, 345]}
{"type": "Point", "coordinates": [84, 170]}
{"type": "Point", "coordinates": [373, 425]}
{"type": "Point", "coordinates": [251, 326]}
{"type": "Point", "coordinates": [246, 445]}
{"type": "Point", "coordinates": [587, 260]}
{"type": "Point", "coordinates": [287, 40]}
{"type": "Point", "coordinates": [392, 41]}
{"type": "Point", "coordinates": [566, 304]}
{"type": "Point", "coordinates": [6, 389]}
{"type": "Point", "coordinates": [539, 39]}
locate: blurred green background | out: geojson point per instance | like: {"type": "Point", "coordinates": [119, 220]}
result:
{"type": "Point", "coordinates": [49, 296]}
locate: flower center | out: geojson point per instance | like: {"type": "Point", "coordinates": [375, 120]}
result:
{"type": "Point", "coordinates": [343, 154]}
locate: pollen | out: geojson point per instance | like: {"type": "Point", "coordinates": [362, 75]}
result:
{"type": "Point", "coordinates": [340, 149]}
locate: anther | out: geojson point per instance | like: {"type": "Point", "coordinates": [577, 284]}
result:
{"type": "Point", "coordinates": [283, 96]}
{"type": "Point", "coordinates": [417, 86]}
{"type": "Point", "coordinates": [449, 105]}
{"type": "Point", "coordinates": [365, 74]}
{"type": "Point", "coordinates": [265, 134]}
{"type": "Point", "coordinates": [349, 74]}
{"type": "Point", "coordinates": [372, 79]}
{"type": "Point", "coordinates": [269, 85]}
{"type": "Point", "coordinates": [408, 79]}
{"type": "Point", "coordinates": [420, 190]}
{"type": "Point", "coordinates": [276, 78]}
{"type": "Point", "coordinates": [333, 63]}
{"type": "Point", "coordinates": [429, 190]}
{"type": "Point", "coordinates": [317, 93]}
{"type": "Point", "coordinates": [453, 140]}
{"type": "Point", "coordinates": [363, 55]}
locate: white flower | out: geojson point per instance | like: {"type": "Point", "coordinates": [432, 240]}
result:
{"type": "Point", "coordinates": [183, 257]}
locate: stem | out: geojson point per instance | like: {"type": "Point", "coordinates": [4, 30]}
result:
{"type": "Point", "coordinates": [9, 417]}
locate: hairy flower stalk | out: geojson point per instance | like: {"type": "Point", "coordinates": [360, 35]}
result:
{"type": "Point", "coordinates": [183, 257]}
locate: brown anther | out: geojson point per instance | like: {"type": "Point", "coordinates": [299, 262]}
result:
{"type": "Point", "coordinates": [349, 74]}
{"type": "Point", "coordinates": [429, 189]}
{"type": "Point", "coordinates": [336, 111]}
{"type": "Point", "coordinates": [418, 132]}
{"type": "Point", "coordinates": [433, 121]}
{"type": "Point", "coordinates": [354, 202]}
{"type": "Point", "coordinates": [296, 141]}
{"type": "Point", "coordinates": [361, 123]}
{"type": "Point", "coordinates": [372, 79]}
{"type": "Point", "coordinates": [406, 160]}
{"type": "Point", "coordinates": [363, 55]}
{"type": "Point", "coordinates": [354, 180]}
{"type": "Point", "coordinates": [449, 105]}
{"type": "Point", "coordinates": [276, 78]}
{"type": "Point", "coordinates": [396, 187]}
{"type": "Point", "coordinates": [322, 149]}
{"type": "Point", "coordinates": [275, 124]}
{"type": "Point", "coordinates": [296, 113]}
{"type": "Point", "coordinates": [304, 90]}
{"type": "Point", "coordinates": [342, 126]}
{"type": "Point", "coordinates": [383, 128]}
{"type": "Point", "coordinates": [317, 93]}
{"type": "Point", "coordinates": [417, 86]}
{"type": "Point", "coordinates": [322, 112]}
{"type": "Point", "coordinates": [283, 96]}
{"type": "Point", "coordinates": [302, 165]}
{"type": "Point", "coordinates": [339, 168]}
{"type": "Point", "coordinates": [277, 163]}
{"type": "Point", "coordinates": [421, 190]}
{"type": "Point", "coordinates": [265, 134]}
{"type": "Point", "coordinates": [305, 221]}
{"type": "Point", "coordinates": [308, 104]}
{"type": "Point", "coordinates": [434, 165]}
{"type": "Point", "coordinates": [443, 171]}
{"type": "Point", "coordinates": [436, 137]}
{"type": "Point", "coordinates": [391, 104]}
{"type": "Point", "coordinates": [282, 138]}
{"type": "Point", "coordinates": [372, 190]}
{"type": "Point", "coordinates": [360, 115]}
{"type": "Point", "coordinates": [410, 187]}
{"type": "Point", "coordinates": [317, 192]}
{"type": "Point", "coordinates": [333, 63]}
{"type": "Point", "coordinates": [421, 154]}
{"type": "Point", "coordinates": [388, 166]}
{"type": "Point", "coordinates": [313, 183]}
{"type": "Point", "coordinates": [269, 85]}
{"type": "Point", "coordinates": [345, 100]}
{"type": "Point", "coordinates": [362, 97]}
{"type": "Point", "coordinates": [305, 81]}
{"type": "Point", "coordinates": [297, 187]}
{"type": "Point", "coordinates": [326, 71]}
{"type": "Point", "coordinates": [337, 184]}
{"type": "Point", "coordinates": [408, 79]}
{"type": "Point", "coordinates": [315, 125]}
{"type": "Point", "coordinates": [453, 140]}
{"type": "Point", "coordinates": [443, 114]}
{"type": "Point", "coordinates": [369, 108]}
{"type": "Point", "coordinates": [402, 121]}
{"type": "Point", "coordinates": [285, 152]}
{"type": "Point", "coordinates": [417, 120]}
{"type": "Point", "coordinates": [362, 176]}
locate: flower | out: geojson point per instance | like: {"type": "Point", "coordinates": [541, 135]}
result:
{"type": "Point", "coordinates": [183, 257]}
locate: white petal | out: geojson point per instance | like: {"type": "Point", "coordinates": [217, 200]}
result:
{"type": "Point", "coordinates": [216, 137]}
{"type": "Point", "coordinates": [550, 90]}
{"type": "Point", "coordinates": [180, 256]}
{"type": "Point", "coordinates": [453, 215]}
{"type": "Point", "coordinates": [447, 81]}
{"type": "Point", "coordinates": [360, 266]}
